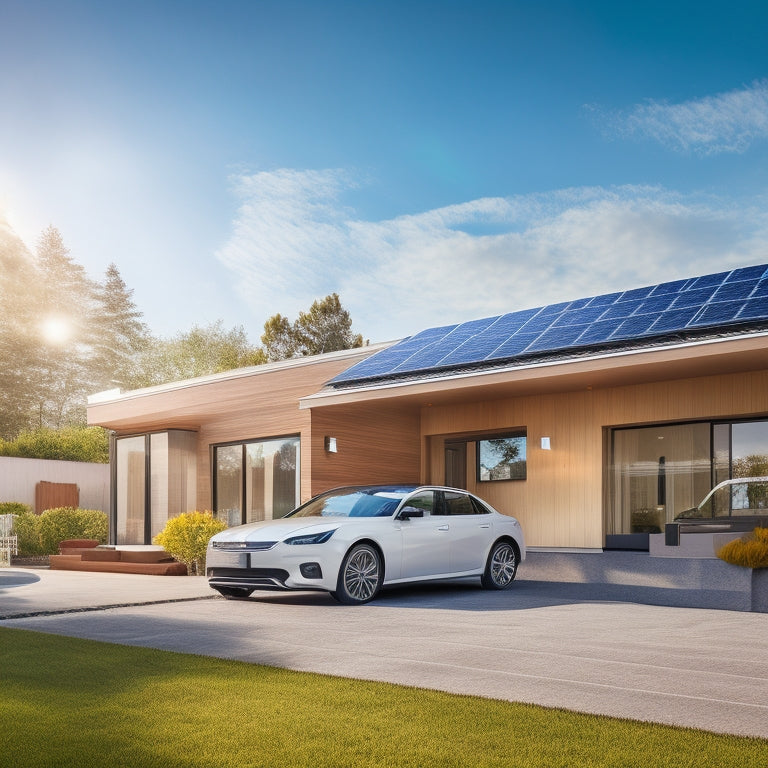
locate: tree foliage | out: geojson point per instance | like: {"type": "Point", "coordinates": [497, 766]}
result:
{"type": "Point", "coordinates": [89, 444]}
{"type": "Point", "coordinates": [20, 345]}
{"type": "Point", "coordinates": [66, 308]}
{"type": "Point", "coordinates": [64, 336]}
{"type": "Point", "coordinates": [326, 327]}
{"type": "Point", "coordinates": [120, 336]}
{"type": "Point", "coordinates": [199, 352]}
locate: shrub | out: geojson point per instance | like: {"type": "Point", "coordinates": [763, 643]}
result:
{"type": "Point", "coordinates": [67, 444]}
{"type": "Point", "coordinates": [186, 538]}
{"type": "Point", "coordinates": [750, 551]}
{"type": "Point", "coordinates": [69, 523]}
{"type": "Point", "coordinates": [13, 508]}
{"type": "Point", "coordinates": [26, 526]}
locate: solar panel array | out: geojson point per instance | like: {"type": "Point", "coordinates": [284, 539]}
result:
{"type": "Point", "coordinates": [693, 306]}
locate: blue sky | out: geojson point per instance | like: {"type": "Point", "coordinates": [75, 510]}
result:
{"type": "Point", "coordinates": [432, 162]}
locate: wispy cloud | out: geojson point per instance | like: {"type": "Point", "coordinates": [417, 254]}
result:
{"type": "Point", "coordinates": [724, 123]}
{"type": "Point", "coordinates": [293, 242]}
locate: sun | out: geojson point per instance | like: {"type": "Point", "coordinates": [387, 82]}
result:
{"type": "Point", "coordinates": [56, 330]}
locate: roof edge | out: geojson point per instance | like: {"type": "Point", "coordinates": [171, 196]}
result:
{"type": "Point", "coordinates": [333, 396]}
{"type": "Point", "coordinates": [115, 396]}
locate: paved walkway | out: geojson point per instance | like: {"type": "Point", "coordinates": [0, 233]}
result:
{"type": "Point", "coordinates": [700, 668]}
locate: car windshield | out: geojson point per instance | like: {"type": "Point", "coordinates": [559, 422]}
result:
{"type": "Point", "coordinates": [355, 502]}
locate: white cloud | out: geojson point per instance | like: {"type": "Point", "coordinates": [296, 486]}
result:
{"type": "Point", "coordinates": [294, 242]}
{"type": "Point", "coordinates": [727, 122]}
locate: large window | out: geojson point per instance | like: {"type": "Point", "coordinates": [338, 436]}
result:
{"type": "Point", "coordinates": [659, 473]}
{"type": "Point", "coordinates": [155, 479]}
{"type": "Point", "coordinates": [130, 489]}
{"type": "Point", "coordinates": [256, 480]}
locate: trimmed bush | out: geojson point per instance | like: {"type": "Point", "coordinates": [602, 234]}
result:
{"type": "Point", "coordinates": [13, 508]}
{"type": "Point", "coordinates": [69, 523]}
{"type": "Point", "coordinates": [186, 538]}
{"type": "Point", "coordinates": [750, 551]}
{"type": "Point", "coordinates": [26, 526]}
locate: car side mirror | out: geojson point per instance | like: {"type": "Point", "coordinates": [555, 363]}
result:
{"type": "Point", "coordinates": [406, 513]}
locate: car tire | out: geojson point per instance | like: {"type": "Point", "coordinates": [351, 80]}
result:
{"type": "Point", "coordinates": [360, 576]}
{"type": "Point", "coordinates": [501, 567]}
{"type": "Point", "coordinates": [234, 593]}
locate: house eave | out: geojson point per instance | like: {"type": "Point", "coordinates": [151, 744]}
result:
{"type": "Point", "coordinates": [675, 360]}
{"type": "Point", "coordinates": [117, 396]}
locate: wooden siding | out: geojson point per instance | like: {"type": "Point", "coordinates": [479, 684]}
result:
{"type": "Point", "coordinates": [395, 434]}
{"type": "Point", "coordinates": [262, 404]}
{"type": "Point", "coordinates": [375, 445]}
{"type": "Point", "coordinates": [561, 502]}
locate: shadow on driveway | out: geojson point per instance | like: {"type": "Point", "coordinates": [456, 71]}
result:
{"type": "Point", "coordinates": [11, 578]}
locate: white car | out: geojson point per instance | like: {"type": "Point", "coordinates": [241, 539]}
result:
{"type": "Point", "coordinates": [352, 541]}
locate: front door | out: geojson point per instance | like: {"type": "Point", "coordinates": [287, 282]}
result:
{"type": "Point", "coordinates": [456, 465]}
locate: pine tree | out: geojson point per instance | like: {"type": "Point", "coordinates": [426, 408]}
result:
{"type": "Point", "coordinates": [119, 335]}
{"type": "Point", "coordinates": [66, 313]}
{"type": "Point", "coordinates": [326, 327]}
{"type": "Point", "coordinates": [20, 345]}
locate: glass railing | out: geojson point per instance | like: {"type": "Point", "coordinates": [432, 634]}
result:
{"type": "Point", "coordinates": [738, 497]}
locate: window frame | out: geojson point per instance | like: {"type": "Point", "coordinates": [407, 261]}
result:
{"type": "Point", "coordinates": [515, 434]}
{"type": "Point", "coordinates": [243, 445]}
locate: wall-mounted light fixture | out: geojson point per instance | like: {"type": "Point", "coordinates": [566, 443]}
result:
{"type": "Point", "coordinates": [546, 444]}
{"type": "Point", "coordinates": [330, 444]}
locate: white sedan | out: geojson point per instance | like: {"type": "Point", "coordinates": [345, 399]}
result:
{"type": "Point", "coordinates": [352, 541]}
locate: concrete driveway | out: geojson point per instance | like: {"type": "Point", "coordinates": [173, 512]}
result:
{"type": "Point", "coordinates": [690, 667]}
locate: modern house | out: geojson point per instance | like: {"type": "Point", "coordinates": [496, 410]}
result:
{"type": "Point", "coordinates": [595, 421]}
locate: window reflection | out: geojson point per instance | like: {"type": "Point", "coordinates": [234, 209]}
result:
{"type": "Point", "coordinates": [256, 480]}
{"type": "Point", "coordinates": [657, 473]}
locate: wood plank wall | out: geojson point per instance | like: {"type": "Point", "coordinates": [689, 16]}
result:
{"type": "Point", "coordinates": [52, 495]}
{"type": "Point", "coordinates": [561, 502]}
{"type": "Point", "coordinates": [375, 445]}
{"type": "Point", "coordinates": [263, 407]}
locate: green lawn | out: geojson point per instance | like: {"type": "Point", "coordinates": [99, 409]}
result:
{"type": "Point", "coordinates": [69, 702]}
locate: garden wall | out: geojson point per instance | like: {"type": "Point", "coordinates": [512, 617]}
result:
{"type": "Point", "coordinates": [19, 478]}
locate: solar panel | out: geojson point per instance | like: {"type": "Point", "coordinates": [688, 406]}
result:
{"type": "Point", "coordinates": [710, 303]}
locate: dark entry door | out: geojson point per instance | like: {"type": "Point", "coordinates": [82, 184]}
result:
{"type": "Point", "coordinates": [456, 465]}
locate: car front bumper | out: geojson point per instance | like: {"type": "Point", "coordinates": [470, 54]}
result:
{"type": "Point", "coordinates": [284, 567]}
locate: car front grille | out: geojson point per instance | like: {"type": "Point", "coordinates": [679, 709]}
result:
{"type": "Point", "coordinates": [264, 578]}
{"type": "Point", "coordinates": [244, 546]}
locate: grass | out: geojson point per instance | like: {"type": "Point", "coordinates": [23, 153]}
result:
{"type": "Point", "coordinates": [70, 702]}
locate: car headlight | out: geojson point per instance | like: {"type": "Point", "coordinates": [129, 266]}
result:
{"type": "Point", "coordinates": [311, 538]}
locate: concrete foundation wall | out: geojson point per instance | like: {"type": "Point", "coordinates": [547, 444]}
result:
{"type": "Point", "coordinates": [638, 577]}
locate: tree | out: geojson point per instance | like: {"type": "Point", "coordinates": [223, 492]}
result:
{"type": "Point", "coordinates": [20, 345]}
{"type": "Point", "coordinates": [326, 327]}
{"type": "Point", "coordinates": [66, 314]}
{"type": "Point", "coordinates": [198, 352]}
{"type": "Point", "coordinates": [279, 339]}
{"type": "Point", "coordinates": [119, 336]}
{"type": "Point", "coordinates": [63, 336]}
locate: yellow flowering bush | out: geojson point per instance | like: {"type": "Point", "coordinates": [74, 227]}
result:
{"type": "Point", "coordinates": [750, 551]}
{"type": "Point", "coordinates": [186, 538]}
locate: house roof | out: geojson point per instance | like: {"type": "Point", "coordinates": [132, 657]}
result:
{"type": "Point", "coordinates": [710, 307]}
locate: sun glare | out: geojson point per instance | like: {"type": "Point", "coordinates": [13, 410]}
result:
{"type": "Point", "coordinates": [56, 330]}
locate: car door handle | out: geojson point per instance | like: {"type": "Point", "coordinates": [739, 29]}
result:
{"type": "Point", "coordinates": [485, 525]}
{"type": "Point", "coordinates": [443, 528]}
